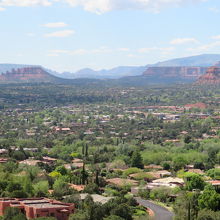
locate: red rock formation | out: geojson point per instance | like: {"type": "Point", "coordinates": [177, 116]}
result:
{"type": "Point", "coordinates": [212, 76]}
{"type": "Point", "coordinates": [179, 71]}
{"type": "Point", "coordinates": [27, 74]}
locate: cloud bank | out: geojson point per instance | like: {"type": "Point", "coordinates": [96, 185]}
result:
{"type": "Point", "coordinates": [25, 3]}
{"type": "Point", "coordinates": [64, 33]}
{"type": "Point", "coordinates": [55, 25]}
{"type": "Point", "coordinates": [102, 6]}
{"type": "Point", "coordinates": [183, 41]}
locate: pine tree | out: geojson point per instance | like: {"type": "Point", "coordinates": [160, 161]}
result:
{"type": "Point", "coordinates": [137, 160]}
{"type": "Point", "coordinates": [83, 150]}
{"type": "Point", "coordinates": [87, 148]}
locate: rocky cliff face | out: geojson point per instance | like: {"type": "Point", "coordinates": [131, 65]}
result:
{"type": "Point", "coordinates": [178, 74]}
{"type": "Point", "coordinates": [27, 74]}
{"type": "Point", "coordinates": [181, 72]}
{"type": "Point", "coordinates": [212, 76]}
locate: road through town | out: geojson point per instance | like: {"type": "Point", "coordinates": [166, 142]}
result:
{"type": "Point", "coordinates": [160, 212]}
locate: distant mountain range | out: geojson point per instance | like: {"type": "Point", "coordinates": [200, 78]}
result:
{"type": "Point", "coordinates": [114, 73]}
{"type": "Point", "coordinates": [181, 70]}
{"type": "Point", "coordinates": [204, 60]}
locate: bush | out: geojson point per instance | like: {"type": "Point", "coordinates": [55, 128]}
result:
{"type": "Point", "coordinates": [41, 188]}
{"type": "Point", "coordinates": [91, 188]}
{"type": "Point", "coordinates": [160, 193]}
{"type": "Point", "coordinates": [214, 173]}
{"type": "Point", "coordinates": [13, 214]}
{"type": "Point", "coordinates": [131, 171]}
{"type": "Point", "coordinates": [45, 218]}
{"type": "Point", "coordinates": [208, 215]}
{"type": "Point", "coordinates": [123, 210]}
{"type": "Point", "coordinates": [113, 217]}
{"type": "Point", "coordinates": [143, 176]}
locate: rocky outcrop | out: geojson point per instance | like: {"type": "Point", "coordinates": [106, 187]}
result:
{"type": "Point", "coordinates": [180, 71]}
{"type": "Point", "coordinates": [27, 74]}
{"type": "Point", "coordinates": [211, 77]}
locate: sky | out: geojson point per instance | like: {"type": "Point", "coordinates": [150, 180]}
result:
{"type": "Point", "coordinates": [68, 35]}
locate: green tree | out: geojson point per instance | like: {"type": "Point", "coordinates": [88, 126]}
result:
{"type": "Point", "coordinates": [209, 199]}
{"type": "Point", "coordinates": [45, 218]}
{"type": "Point", "coordinates": [91, 188]}
{"type": "Point", "coordinates": [194, 181]}
{"type": "Point", "coordinates": [208, 215]}
{"type": "Point", "coordinates": [13, 186]}
{"type": "Point", "coordinates": [186, 206]}
{"type": "Point", "coordinates": [79, 215]}
{"type": "Point", "coordinates": [20, 216]}
{"type": "Point", "coordinates": [113, 217]}
{"type": "Point", "coordinates": [27, 186]}
{"type": "Point", "coordinates": [137, 160]}
{"type": "Point", "coordinates": [94, 210]}
{"type": "Point", "coordinates": [179, 163]}
{"type": "Point", "coordinates": [84, 175]}
{"type": "Point", "coordinates": [41, 188]}
{"type": "Point", "coordinates": [60, 188]}
{"type": "Point", "coordinates": [187, 139]}
{"type": "Point", "coordinates": [13, 214]}
{"type": "Point", "coordinates": [123, 211]}
{"type": "Point", "coordinates": [62, 170]}
{"type": "Point", "coordinates": [166, 166]}
{"type": "Point", "coordinates": [19, 155]}
{"type": "Point", "coordinates": [214, 173]}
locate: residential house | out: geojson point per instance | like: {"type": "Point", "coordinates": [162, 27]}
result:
{"type": "Point", "coordinates": [38, 207]}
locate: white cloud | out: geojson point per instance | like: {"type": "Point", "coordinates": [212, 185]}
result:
{"type": "Point", "coordinates": [55, 25]}
{"type": "Point", "coordinates": [19, 55]}
{"type": "Point", "coordinates": [164, 50]}
{"type": "Point", "coordinates": [205, 47]}
{"type": "Point", "coordinates": [52, 55]}
{"type": "Point", "coordinates": [69, 52]}
{"type": "Point", "coordinates": [131, 55]}
{"type": "Point", "coordinates": [25, 3]}
{"type": "Point", "coordinates": [30, 34]}
{"type": "Point", "coordinates": [78, 52]}
{"type": "Point", "coordinates": [179, 41]}
{"type": "Point", "coordinates": [65, 33]}
{"type": "Point", "coordinates": [2, 9]}
{"type": "Point", "coordinates": [58, 51]}
{"type": "Point", "coordinates": [214, 9]}
{"type": "Point", "coordinates": [81, 51]}
{"type": "Point", "coordinates": [123, 49]}
{"type": "Point", "coordinates": [102, 6]}
{"type": "Point", "coordinates": [217, 37]}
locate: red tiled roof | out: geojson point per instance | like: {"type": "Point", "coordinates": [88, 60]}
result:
{"type": "Point", "coordinates": [197, 105]}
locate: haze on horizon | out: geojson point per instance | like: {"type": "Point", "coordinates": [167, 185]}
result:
{"type": "Point", "coordinates": [67, 35]}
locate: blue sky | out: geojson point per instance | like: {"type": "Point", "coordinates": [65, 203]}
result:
{"type": "Point", "coordinates": [67, 35]}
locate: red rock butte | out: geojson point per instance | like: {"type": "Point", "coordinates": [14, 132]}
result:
{"type": "Point", "coordinates": [212, 76]}
{"type": "Point", "coordinates": [178, 71]}
{"type": "Point", "coordinates": [27, 74]}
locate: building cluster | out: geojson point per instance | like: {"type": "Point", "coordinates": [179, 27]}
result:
{"type": "Point", "coordinates": [38, 207]}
